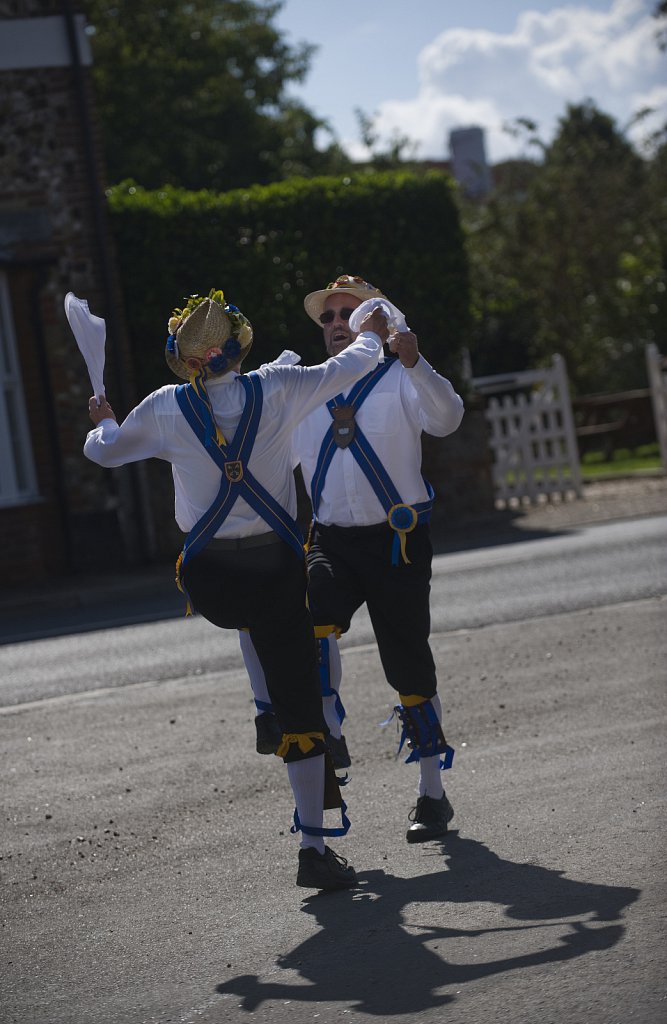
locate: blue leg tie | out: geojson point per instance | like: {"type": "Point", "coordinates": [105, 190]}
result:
{"type": "Point", "coordinates": [423, 733]}
{"type": "Point", "coordinates": [308, 831]}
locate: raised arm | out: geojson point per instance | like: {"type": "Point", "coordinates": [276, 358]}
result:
{"type": "Point", "coordinates": [109, 444]}
{"type": "Point", "coordinates": [312, 386]}
{"type": "Point", "coordinates": [429, 398]}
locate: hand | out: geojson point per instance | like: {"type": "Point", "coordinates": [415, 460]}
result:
{"type": "Point", "coordinates": [405, 347]}
{"type": "Point", "coordinates": [377, 322]}
{"type": "Point", "coordinates": [100, 412]}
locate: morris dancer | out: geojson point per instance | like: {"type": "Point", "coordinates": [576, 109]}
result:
{"type": "Point", "coordinates": [228, 438]}
{"type": "Point", "coordinates": [360, 454]}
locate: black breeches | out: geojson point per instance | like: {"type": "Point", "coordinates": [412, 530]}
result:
{"type": "Point", "coordinates": [264, 589]}
{"type": "Point", "coordinates": [348, 566]}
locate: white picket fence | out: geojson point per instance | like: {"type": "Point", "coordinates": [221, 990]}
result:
{"type": "Point", "coordinates": [532, 435]}
{"type": "Point", "coordinates": [656, 365]}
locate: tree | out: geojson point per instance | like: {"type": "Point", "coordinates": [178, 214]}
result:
{"type": "Point", "coordinates": [574, 261]}
{"type": "Point", "coordinates": [585, 223]}
{"type": "Point", "coordinates": [194, 94]}
{"type": "Point", "coordinates": [660, 13]}
{"type": "Point", "coordinates": [400, 149]}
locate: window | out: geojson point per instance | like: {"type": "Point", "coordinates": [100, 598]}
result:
{"type": "Point", "coordinates": [18, 482]}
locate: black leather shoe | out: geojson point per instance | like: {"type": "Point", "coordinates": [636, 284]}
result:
{"type": "Point", "coordinates": [269, 733]}
{"type": "Point", "coordinates": [324, 870]}
{"type": "Point", "coordinates": [429, 819]}
{"type": "Point", "coordinates": [339, 752]}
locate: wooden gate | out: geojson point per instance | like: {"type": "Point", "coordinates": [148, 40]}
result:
{"type": "Point", "coordinates": [657, 377]}
{"type": "Point", "coordinates": [532, 435]}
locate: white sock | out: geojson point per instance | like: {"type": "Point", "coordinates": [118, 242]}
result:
{"type": "Point", "coordinates": [335, 676]}
{"type": "Point", "coordinates": [331, 716]}
{"type": "Point", "coordinates": [253, 668]}
{"type": "Point", "coordinates": [430, 779]}
{"type": "Point", "coordinates": [307, 782]}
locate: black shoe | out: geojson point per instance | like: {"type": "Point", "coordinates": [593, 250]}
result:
{"type": "Point", "coordinates": [324, 870]}
{"type": "Point", "coordinates": [339, 752]}
{"type": "Point", "coordinates": [269, 733]}
{"type": "Point", "coordinates": [430, 819]}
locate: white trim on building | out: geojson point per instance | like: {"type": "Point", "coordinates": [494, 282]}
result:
{"type": "Point", "coordinates": [18, 480]}
{"type": "Point", "coordinates": [41, 43]}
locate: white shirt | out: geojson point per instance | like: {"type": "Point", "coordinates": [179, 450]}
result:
{"type": "Point", "coordinates": [157, 428]}
{"type": "Point", "coordinates": [402, 404]}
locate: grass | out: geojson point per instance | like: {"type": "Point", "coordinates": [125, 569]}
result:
{"type": "Point", "coordinates": [595, 465]}
{"type": "Point", "coordinates": [623, 462]}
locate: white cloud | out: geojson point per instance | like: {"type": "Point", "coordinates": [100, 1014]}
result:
{"type": "Point", "coordinates": [566, 55]}
{"type": "Point", "coordinates": [655, 101]}
{"type": "Point", "coordinates": [430, 111]}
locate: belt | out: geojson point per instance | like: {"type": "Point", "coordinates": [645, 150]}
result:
{"type": "Point", "coordinates": [257, 540]}
{"type": "Point", "coordinates": [360, 531]}
{"type": "Point", "coordinates": [383, 527]}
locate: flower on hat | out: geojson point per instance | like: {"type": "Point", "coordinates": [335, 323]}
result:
{"type": "Point", "coordinates": [218, 359]}
{"type": "Point", "coordinates": [239, 324]}
{"type": "Point", "coordinates": [209, 331]}
{"type": "Point", "coordinates": [351, 280]}
{"type": "Point", "coordinates": [179, 315]}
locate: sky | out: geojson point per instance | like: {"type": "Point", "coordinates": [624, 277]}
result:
{"type": "Point", "coordinates": [424, 67]}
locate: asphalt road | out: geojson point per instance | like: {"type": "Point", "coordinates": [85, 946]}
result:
{"type": "Point", "coordinates": [587, 568]}
{"type": "Point", "coordinates": [148, 869]}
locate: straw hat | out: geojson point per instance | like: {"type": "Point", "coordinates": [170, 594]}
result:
{"type": "Point", "coordinates": [210, 330]}
{"type": "Point", "coordinates": [314, 301]}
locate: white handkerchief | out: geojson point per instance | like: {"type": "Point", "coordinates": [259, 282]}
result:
{"type": "Point", "coordinates": [90, 334]}
{"type": "Point", "coordinates": [286, 358]}
{"type": "Point", "coordinates": [395, 319]}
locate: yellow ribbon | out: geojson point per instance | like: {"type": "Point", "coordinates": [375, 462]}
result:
{"type": "Point", "coordinates": [412, 699]}
{"type": "Point", "coordinates": [403, 531]}
{"type": "Point", "coordinates": [179, 564]}
{"type": "Point", "coordinates": [322, 631]}
{"type": "Point", "coordinates": [304, 741]}
{"type": "Point", "coordinates": [198, 381]}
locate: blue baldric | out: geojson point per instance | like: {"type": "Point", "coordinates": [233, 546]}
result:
{"type": "Point", "coordinates": [238, 482]}
{"type": "Point", "coordinates": [232, 459]}
{"type": "Point", "coordinates": [345, 433]}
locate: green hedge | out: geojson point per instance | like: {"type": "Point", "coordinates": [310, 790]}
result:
{"type": "Point", "coordinates": [267, 246]}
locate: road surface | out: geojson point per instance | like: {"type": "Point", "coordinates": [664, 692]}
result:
{"type": "Point", "coordinates": [148, 869]}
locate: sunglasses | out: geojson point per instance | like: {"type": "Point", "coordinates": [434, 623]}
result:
{"type": "Point", "coordinates": [329, 315]}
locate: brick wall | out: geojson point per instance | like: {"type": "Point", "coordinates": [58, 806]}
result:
{"type": "Point", "coordinates": [53, 239]}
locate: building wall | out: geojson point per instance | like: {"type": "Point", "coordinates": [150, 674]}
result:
{"type": "Point", "coordinates": [468, 161]}
{"type": "Point", "coordinates": [53, 239]}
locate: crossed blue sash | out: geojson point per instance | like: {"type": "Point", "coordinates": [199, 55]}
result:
{"type": "Point", "coordinates": [232, 459]}
{"type": "Point", "coordinates": [237, 481]}
{"type": "Point", "coordinates": [401, 517]}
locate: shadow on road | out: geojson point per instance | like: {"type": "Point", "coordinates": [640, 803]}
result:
{"type": "Point", "coordinates": [503, 531]}
{"type": "Point", "coordinates": [364, 954]}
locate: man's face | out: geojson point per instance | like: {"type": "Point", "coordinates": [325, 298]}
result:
{"type": "Point", "coordinates": [336, 326]}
